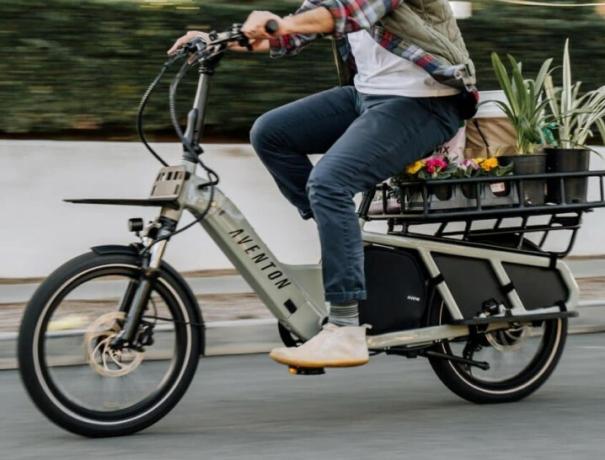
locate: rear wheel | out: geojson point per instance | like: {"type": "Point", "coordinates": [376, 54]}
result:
{"type": "Point", "coordinates": [69, 366]}
{"type": "Point", "coordinates": [520, 359]}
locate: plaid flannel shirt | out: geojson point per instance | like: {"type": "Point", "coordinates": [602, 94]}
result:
{"type": "Point", "coordinates": [353, 15]}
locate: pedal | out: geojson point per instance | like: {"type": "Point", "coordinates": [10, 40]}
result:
{"type": "Point", "coordinates": [306, 370]}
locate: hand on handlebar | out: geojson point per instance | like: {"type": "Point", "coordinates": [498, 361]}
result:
{"type": "Point", "coordinates": [255, 25]}
{"type": "Point", "coordinates": [255, 45]}
{"type": "Point", "coordinates": [188, 37]}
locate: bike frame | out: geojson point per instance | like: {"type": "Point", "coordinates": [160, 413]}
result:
{"type": "Point", "coordinates": [294, 293]}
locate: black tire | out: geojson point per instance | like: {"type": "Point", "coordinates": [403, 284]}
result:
{"type": "Point", "coordinates": [459, 379]}
{"type": "Point", "coordinates": [36, 375]}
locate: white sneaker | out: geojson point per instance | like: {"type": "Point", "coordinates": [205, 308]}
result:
{"type": "Point", "coordinates": [333, 347]}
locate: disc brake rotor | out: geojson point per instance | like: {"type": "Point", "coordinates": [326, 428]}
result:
{"type": "Point", "coordinates": [508, 339]}
{"type": "Point", "coordinates": [101, 356]}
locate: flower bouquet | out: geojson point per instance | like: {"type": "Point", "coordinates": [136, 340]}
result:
{"type": "Point", "coordinates": [434, 167]}
{"type": "Point", "coordinates": [483, 167]}
{"type": "Point", "coordinates": [448, 196]}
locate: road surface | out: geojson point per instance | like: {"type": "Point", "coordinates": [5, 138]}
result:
{"type": "Point", "coordinates": [246, 407]}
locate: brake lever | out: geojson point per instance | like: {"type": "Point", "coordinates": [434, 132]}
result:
{"type": "Point", "coordinates": [195, 46]}
{"type": "Point", "coordinates": [245, 43]}
{"type": "Point", "coordinates": [242, 40]}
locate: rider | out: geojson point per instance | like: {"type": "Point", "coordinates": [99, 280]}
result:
{"type": "Point", "coordinates": [413, 85]}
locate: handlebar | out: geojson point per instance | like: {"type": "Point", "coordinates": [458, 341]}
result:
{"type": "Point", "coordinates": [217, 39]}
{"type": "Point", "coordinates": [206, 53]}
{"type": "Point", "coordinates": [272, 26]}
{"type": "Point", "coordinates": [198, 45]}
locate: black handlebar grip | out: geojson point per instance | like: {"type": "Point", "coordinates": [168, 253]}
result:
{"type": "Point", "coordinates": [271, 26]}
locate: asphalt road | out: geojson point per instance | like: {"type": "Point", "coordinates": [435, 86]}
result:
{"type": "Point", "coordinates": [246, 407]}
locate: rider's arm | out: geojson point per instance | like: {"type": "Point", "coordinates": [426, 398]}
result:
{"type": "Point", "coordinates": [353, 15]}
{"type": "Point", "coordinates": [290, 43]}
{"type": "Point", "coordinates": [336, 17]}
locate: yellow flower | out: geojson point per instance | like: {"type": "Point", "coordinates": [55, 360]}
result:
{"type": "Point", "coordinates": [489, 164]}
{"type": "Point", "coordinates": [414, 167]}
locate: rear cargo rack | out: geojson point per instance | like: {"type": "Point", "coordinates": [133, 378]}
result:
{"type": "Point", "coordinates": [484, 215]}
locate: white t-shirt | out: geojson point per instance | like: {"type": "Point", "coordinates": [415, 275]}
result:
{"type": "Point", "coordinates": [381, 72]}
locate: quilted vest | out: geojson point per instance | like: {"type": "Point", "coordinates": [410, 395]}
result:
{"type": "Point", "coordinates": [427, 34]}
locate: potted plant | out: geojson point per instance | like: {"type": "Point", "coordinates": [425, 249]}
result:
{"type": "Point", "coordinates": [574, 117]}
{"type": "Point", "coordinates": [434, 167]}
{"type": "Point", "coordinates": [482, 167]}
{"type": "Point", "coordinates": [525, 108]}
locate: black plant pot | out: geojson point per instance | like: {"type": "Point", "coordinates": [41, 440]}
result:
{"type": "Point", "coordinates": [567, 160]}
{"type": "Point", "coordinates": [534, 191]}
{"type": "Point", "coordinates": [470, 190]}
{"type": "Point", "coordinates": [443, 192]}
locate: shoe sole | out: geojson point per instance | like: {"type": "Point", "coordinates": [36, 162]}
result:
{"type": "Point", "coordinates": [319, 365]}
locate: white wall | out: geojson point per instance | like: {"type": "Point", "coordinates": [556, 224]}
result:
{"type": "Point", "coordinates": [38, 231]}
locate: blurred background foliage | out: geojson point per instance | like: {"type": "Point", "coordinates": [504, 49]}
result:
{"type": "Point", "coordinates": [77, 68]}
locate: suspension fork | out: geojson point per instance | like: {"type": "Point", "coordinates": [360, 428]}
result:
{"type": "Point", "coordinates": [136, 297]}
{"type": "Point", "coordinates": [126, 299]}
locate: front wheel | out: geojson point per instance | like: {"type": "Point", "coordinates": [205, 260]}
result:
{"type": "Point", "coordinates": [72, 370]}
{"type": "Point", "coordinates": [520, 359]}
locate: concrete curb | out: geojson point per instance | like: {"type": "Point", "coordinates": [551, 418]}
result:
{"type": "Point", "coordinates": [225, 282]}
{"type": "Point", "coordinates": [261, 335]}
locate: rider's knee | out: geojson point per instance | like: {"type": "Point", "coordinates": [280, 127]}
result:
{"type": "Point", "coordinates": [260, 133]}
{"type": "Point", "coordinates": [324, 183]}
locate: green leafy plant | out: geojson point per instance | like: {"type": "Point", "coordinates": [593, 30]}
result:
{"type": "Point", "coordinates": [525, 102]}
{"type": "Point", "coordinates": [575, 115]}
{"type": "Point", "coordinates": [54, 84]}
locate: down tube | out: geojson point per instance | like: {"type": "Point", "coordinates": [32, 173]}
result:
{"type": "Point", "coordinates": [270, 279]}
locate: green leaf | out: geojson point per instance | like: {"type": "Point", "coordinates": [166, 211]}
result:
{"type": "Point", "coordinates": [543, 73]}
{"type": "Point", "coordinates": [566, 101]}
{"type": "Point", "coordinates": [505, 81]}
{"type": "Point", "coordinates": [520, 86]}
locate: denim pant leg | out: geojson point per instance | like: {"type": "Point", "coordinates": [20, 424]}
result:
{"type": "Point", "coordinates": [391, 132]}
{"type": "Point", "coordinates": [283, 137]}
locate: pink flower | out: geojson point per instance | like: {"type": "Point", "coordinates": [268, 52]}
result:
{"type": "Point", "coordinates": [472, 164]}
{"type": "Point", "coordinates": [435, 164]}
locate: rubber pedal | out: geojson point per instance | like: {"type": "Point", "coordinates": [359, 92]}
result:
{"type": "Point", "coordinates": [306, 370]}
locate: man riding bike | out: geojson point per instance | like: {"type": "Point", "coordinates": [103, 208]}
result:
{"type": "Point", "coordinates": [408, 84]}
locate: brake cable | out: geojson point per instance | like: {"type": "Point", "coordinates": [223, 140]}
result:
{"type": "Point", "coordinates": [143, 104]}
{"type": "Point", "coordinates": [213, 178]}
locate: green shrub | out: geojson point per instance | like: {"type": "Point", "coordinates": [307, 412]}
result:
{"type": "Point", "coordinates": [79, 67]}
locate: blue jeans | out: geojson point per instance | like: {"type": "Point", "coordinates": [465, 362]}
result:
{"type": "Point", "coordinates": [366, 139]}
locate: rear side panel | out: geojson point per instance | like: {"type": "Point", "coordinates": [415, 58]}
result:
{"type": "Point", "coordinates": [471, 281]}
{"type": "Point", "coordinates": [537, 287]}
{"type": "Point", "coordinates": [467, 277]}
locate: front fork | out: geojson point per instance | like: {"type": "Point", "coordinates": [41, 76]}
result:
{"type": "Point", "coordinates": [135, 299]}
